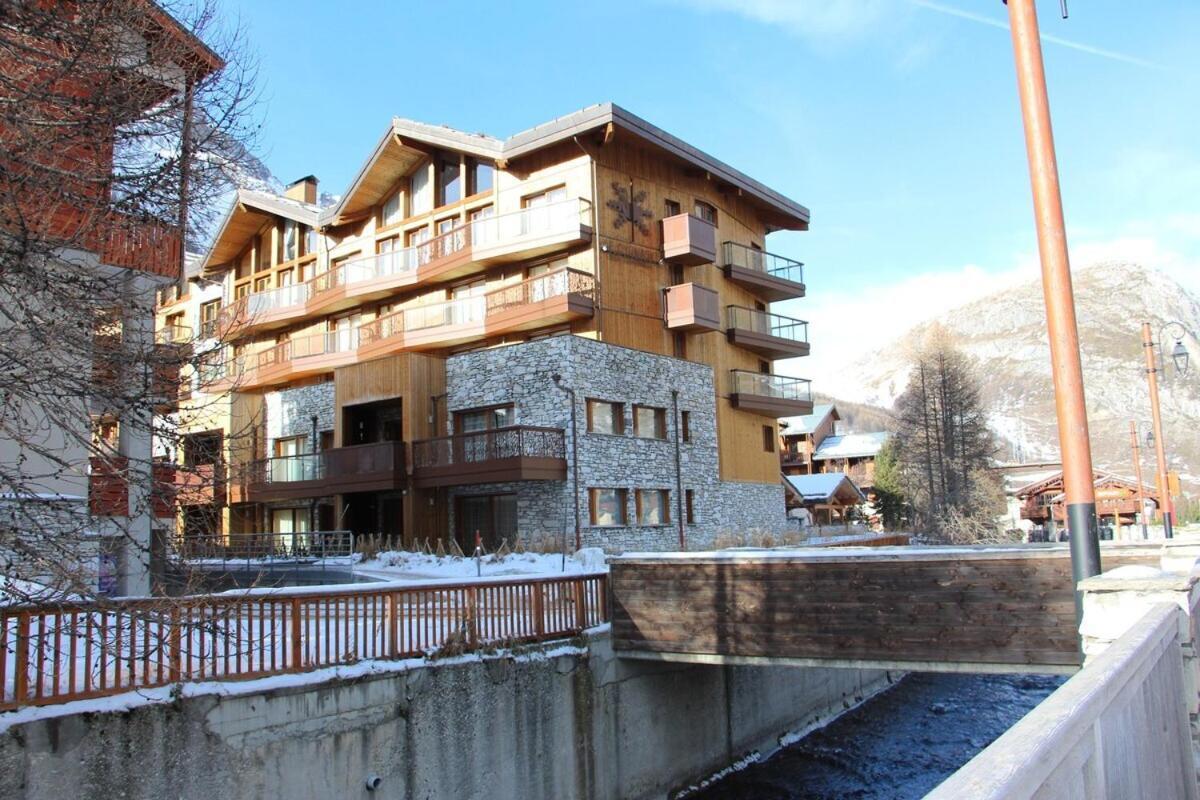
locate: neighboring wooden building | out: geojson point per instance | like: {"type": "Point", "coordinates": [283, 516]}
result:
{"type": "Point", "coordinates": [802, 434]}
{"type": "Point", "coordinates": [344, 323]}
{"type": "Point", "coordinates": [1043, 504]}
{"type": "Point", "coordinates": [827, 496]}
{"type": "Point", "coordinates": [812, 444]}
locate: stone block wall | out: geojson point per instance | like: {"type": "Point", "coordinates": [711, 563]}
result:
{"type": "Point", "coordinates": [521, 375]}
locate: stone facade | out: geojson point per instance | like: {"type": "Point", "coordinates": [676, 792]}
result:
{"type": "Point", "coordinates": [290, 412]}
{"type": "Point", "coordinates": [522, 375]}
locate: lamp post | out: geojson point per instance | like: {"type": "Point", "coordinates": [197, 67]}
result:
{"type": "Point", "coordinates": [1137, 471]}
{"type": "Point", "coordinates": [1179, 355]}
{"type": "Point", "coordinates": [1067, 371]}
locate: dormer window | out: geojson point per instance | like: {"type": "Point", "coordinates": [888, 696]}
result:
{"type": "Point", "coordinates": [392, 212]}
{"type": "Point", "coordinates": [449, 181]}
{"type": "Point", "coordinates": [420, 193]}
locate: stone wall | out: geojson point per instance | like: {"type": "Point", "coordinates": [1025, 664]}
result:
{"type": "Point", "coordinates": [554, 724]}
{"type": "Point", "coordinates": [289, 413]}
{"type": "Point", "coordinates": [521, 375]}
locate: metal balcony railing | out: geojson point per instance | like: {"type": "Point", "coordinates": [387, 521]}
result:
{"type": "Point", "coordinates": [739, 255]}
{"type": "Point", "coordinates": [478, 447]}
{"type": "Point", "coordinates": [766, 323]}
{"type": "Point", "coordinates": [776, 386]}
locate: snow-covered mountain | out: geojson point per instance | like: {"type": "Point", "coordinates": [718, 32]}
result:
{"type": "Point", "coordinates": [1006, 333]}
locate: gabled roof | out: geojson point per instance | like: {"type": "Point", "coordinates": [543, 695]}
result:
{"type": "Point", "coordinates": [246, 215]}
{"type": "Point", "coordinates": [825, 486]}
{"type": "Point", "coordinates": [406, 142]}
{"type": "Point", "coordinates": [851, 445]}
{"type": "Point", "coordinates": [807, 423]}
{"type": "Point", "coordinates": [1102, 478]}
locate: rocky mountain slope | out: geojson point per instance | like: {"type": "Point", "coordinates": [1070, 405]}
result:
{"type": "Point", "coordinates": [1006, 333]}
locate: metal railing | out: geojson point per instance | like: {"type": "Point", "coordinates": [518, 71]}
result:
{"type": "Point", "coordinates": [347, 461]}
{"type": "Point", "coordinates": [739, 255]}
{"type": "Point", "coordinates": [70, 651]}
{"type": "Point", "coordinates": [517, 441]}
{"type": "Point", "coordinates": [766, 323]}
{"type": "Point", "coordinates": [266, 547]}
{"type": "Point", "coordinates": [764, 385]}
{"type": "Point", "coordinates": [476, 309]}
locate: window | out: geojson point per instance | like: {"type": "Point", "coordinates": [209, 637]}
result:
{"type": "Point", "coordinates": [241, 290]}
{"type": "Point", "coordinates": [555, 195]}
{"type": "Point", "coordinates": [605, 417]}
{"type": "Point", "coordinates": [446, 225]}
{"type": "Point", "coordinates": [706, 212]}
{"type": "Point", "coordinates": [685, 425]}
{"type": "Point", "coordinates": [174, 327]}
{"type": "Point", "coordinates": [671, 208]}
{"type": "Point", "coordinates": [420, 193]}
{"type": "Point", "coordinates": [764, 367]}
{"type": "Point", "coordinates": [480, 419]}
{"type": "Point", "coordinates": [449, 181]}
{"type": "Point", "coordinates": [481, 176]}
{"type": "Point", "coordinates": [606, 507]}
{"type": "Point", "coordinates": [291, 240]}
{"type": "Point", "coordinates": [679, 344]}
{"type": "Point", "coordinates": [690, 505]}
{"type": "Point", "coordinates": [286, 277]}
{"type": "Point", "coordinates": [653, 507]}
{"type": "Point", "coordinates": [262, 284]}
{"type": "Point", "coordinates": [391, 213]}
{"type": "Point", "coordinates": [768, 438]}
{"type": "Point", "coordinates": [310, 240]}
{"type": "Point", "coordinates": [649, 422]}
{"type": "Point", "coordinates": [289, 520]}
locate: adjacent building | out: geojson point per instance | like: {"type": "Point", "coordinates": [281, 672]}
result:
{"type": "Point", "coordinates": [815, 444]}
{"type": "Point", "coordinates": [562, 335]}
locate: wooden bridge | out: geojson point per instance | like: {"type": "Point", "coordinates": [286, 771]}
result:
{"type": "Point", "coordinates": [956, 609]}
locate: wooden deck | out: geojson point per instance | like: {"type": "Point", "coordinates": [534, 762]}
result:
{"type": "Point", "coordinates": [965, 609]}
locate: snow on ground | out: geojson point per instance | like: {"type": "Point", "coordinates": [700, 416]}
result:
{"type": "Point", "coordinates": [394, 565]}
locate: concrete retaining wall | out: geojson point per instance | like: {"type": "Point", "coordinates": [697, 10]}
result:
{"type": "Point", "coordinates": [558, 723]}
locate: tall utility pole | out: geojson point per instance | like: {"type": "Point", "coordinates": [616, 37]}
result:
{"type": "Point", "coordinates": [1160, 446]}
{"type": "Point", "coordinates": [1137, 471]}
{"type": "Point", "coordinates": [1069, 401]}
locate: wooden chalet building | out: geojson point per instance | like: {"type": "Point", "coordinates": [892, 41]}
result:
{"type": "Point", "coordinates": [1042, 502]}
{"type": "Point", "coordinates": [564, 332]}
{"type": "Point", "coordinates": [812, 444]}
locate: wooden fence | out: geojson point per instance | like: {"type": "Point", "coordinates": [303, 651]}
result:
{"type": "Point", "coordinates": [52, 654]}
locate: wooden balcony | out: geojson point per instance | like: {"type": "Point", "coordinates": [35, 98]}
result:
{"type": "Point", "coordinates": [499, 455]}
{"type": "Point", "coordinates": [374, 467]}
{"type": "Point", "coordinates": [770, 395]}
{"type": "Point", "coordinates": [689, 240]}
{"type": "Point", "coordinates": [108, 488]}
{"type": "Point", "coordinates": [143, 245]}
{"type": "Point", "coordinates": [692, 308]}
{"type": "Point", "coordinates": [769, 276]}
{"type": "Point", "coordinates": [767, 334]}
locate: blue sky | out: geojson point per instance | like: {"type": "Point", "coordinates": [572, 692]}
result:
{"type": "Point", "coordinates": [895, 121]}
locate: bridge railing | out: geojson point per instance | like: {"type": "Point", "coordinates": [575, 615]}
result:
{"type": "Point", "coordinates": [55, 653]}
{"type": "Point", "coordinates": [1118, 728]}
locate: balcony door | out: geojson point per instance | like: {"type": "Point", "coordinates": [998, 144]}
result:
{"type": "Point", "coordinates": [492, 516]}
{"type": "Point", "coordinates": [541, 214]}
{"type": "Point", "coordinates": [469, 303]}
{"type": "Point", "coordinates": [474, 443]}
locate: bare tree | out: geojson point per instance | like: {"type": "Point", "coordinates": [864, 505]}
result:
{"type": "Point", "coordinates": [943, 445]}
{"type": "Point", "coordinates": [122, 123]}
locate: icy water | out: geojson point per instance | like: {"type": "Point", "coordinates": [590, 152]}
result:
{"type": "Point", "coordinates": [898, 745]}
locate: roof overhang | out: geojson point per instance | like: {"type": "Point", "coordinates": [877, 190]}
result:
{"type": "Point", "coordinates": [249, 211]}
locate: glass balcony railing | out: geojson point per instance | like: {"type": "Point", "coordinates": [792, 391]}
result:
{"type": "Point", "coordinates": [773, 386]}
{"type": "Point", "coordinates": [288, 469]}
{"type": "Point", "coordinates": [768, 324]}
{"type": "Point", "coordinates": [562, 216]}
{"type": "Point", "coordinates": [739, 255]}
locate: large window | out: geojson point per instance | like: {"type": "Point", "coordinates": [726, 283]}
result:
{"type": "Point", "coordinates": [649, 422]}
{"type": "Point", "coordinates": [606, 507]}
{"type": "Point", "coordinates": [392, 212]}
{"type": "Point", "coordinates": [449, 181]}
{"type": "Point", "coordinates": [480, 176]}
{"type": "Point", "coordinates": [653, 507]}
{"type": "Point", "coordinates": [208, 318]}
{"type": "Point", "coordinates": [706, 212]}
{"type": "Point", "coordinates": [479, 419]}
{"type": "Point", "coordinates": [310, 240]}
{"type": "Point", "coordinates": [420, 193]}
{"type": "Point", "coordinates": [291, 240]}
{"type": "Point", "coordinates": [605, 417]}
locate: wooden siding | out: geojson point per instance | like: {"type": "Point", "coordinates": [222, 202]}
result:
{"type": "Point", "coordinates": [903, 606]}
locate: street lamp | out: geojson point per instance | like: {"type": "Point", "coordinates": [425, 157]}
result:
{"type": "Point", "coordinates": [1179, 355]}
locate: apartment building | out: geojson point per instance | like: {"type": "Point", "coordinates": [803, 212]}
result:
{"type": "Point", "coordinates": [78, 500]}
{"type": "Point", "coordinates": [566, 333]}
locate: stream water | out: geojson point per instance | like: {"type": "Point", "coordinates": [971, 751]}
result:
{"type": "Point", "coordinates": [898, 745]}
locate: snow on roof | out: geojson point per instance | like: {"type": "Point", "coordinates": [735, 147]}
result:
{"type": "Point", "coordinates": [807, 423]}
{"type": "Point", "coordinates": [851, 445]}
{"type": "Point", "coordinates": [822, 486]}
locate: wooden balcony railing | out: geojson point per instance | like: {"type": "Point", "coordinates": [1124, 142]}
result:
{"type": "Point", "coordinates": [144, 245]}
{"type": "Point", "coordinates": [376, 466]}
{"type": "Point", "coordinates": [71, 651]}
{"type": "Point", "coordinates": [519, 452]}
{"type": "Point", "coordinates": [108, 488]}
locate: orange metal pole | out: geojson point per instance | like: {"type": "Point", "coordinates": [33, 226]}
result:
{"type": "Point", "coordinates": [1137, 471]}
{"type": "Point", "coordinates": [1160, 451]}
{"type": "Point", "coordinates": [1066, 369]}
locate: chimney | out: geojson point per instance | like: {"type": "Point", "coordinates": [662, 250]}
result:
{"type": "Point", "coordinates": [304, 190]}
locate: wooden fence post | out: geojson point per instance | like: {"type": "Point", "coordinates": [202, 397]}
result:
{"type": "Point", "coordinates": [580, 604]}
{"type": "Point", "coordinates": [393, 626]}
{"type": "Point", "coordinates": [539, 618]}
{"type": "Point", "coordinates": [176, 669]}
{"type": "Point", "coordinates": [21, 665]}
{"type": "Point", "coordinates": [297, 650]}
{"type": "Point", "coordinates": [472, 616]}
